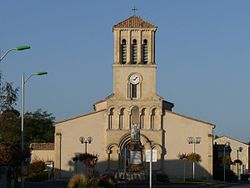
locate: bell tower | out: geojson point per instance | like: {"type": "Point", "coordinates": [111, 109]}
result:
{"type": "Point", "coordinates": [134, 67]}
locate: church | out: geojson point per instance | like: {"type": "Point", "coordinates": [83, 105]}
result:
{"type": "Point", "coordinates": [134, 119]}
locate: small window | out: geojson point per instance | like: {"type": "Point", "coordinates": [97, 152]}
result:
{"type": "Point", "coordinates": [111, 113]}
{"type": "Point", "coordinates": [145, 51]}
{"type": "Point", "coordinates": [142, 117]}
{"type": "Point", "coordinates": [121, 119]}
{"type": "Point", "coordinates": [152, 119]}
{"type": "Point", "coordinates": [123, 51]}
{"type": "Point", "coordinates": [134, 52]}
{"type": "Point", "coordinates": [133, 91]}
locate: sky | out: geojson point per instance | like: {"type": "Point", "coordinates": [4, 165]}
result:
{"type": "Point", "coordinates": [202, 54]}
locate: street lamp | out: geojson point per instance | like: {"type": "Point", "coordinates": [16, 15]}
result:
{"type": "Point", "coordinates": [226, 145]}
{"type": "Point", "coordinates": [19, 48]}
{"type": "Point", "coordinates": [86, 141]}
{"type": "Point", "coordinates": [239, 164]}
{"type": "Point", "coordinates": [194, 141]}
{"type": "Point", "coordinates": [24, 81]}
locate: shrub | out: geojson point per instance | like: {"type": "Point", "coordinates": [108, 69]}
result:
{"type": "Point", "coordinates": [93, 178]}
{"type": "Point", "coordinates": [162, 178]}
{"type": "Point", "coordinates": [78, 181]}
{"type": "Point", "coordinates": [41, 176]}
{"type": "Point", "coordinates": [194, 157]}
{"type": "Point", "coordinates": [37, 166]}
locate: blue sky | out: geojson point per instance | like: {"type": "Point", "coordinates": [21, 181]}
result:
{"type": "Point", "coordinates": [202, 53]}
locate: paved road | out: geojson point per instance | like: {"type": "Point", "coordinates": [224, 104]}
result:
{"type": "Point", "coordinates": [62, 184]}
{"type": "Point", "coordinates": [46, 184]}
{"type": "Point", "coordinates": [241, 186]}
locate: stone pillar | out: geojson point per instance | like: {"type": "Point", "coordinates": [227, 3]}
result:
{"type": "Point", "coordinates": [58, 154]}
{"type": "Point", "coordinates": [128, 47]}
{"type": "Point", "coordinates": [157, 122]}
{"type": "Point", "coordinates": [126, 118]}
{"type": "Point", "coordinates": [116, 119]}
{"type": "Point", "coordinates": [152, 50]}
{"type": "Point", "coordinates": [139, 48]}
{"type": "Point", "coordinates": [117, 46]}
{"type": "Point", "coordinates": [147, 119]}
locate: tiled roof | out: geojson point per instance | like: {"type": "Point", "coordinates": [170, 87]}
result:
{"type": "Point", "coordinates": [42, 146]}
{"type": "Point", "coordinates": [134, 22]}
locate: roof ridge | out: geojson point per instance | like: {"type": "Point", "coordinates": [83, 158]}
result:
{"type": "Point", "coordinates": [233, 139]}
{"type": "Point", "coordinates": [191, 118]}
{"type": "Point", "coordinates": [79, 116]}
{"type": "Point", "coordinates": [134, 22]}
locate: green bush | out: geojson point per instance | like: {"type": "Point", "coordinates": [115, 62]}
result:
{"type": "Point", "coordinates": [41, 176]}
{"type": "Point", "coordinates": [37, 166]}
{"type": "Point", "coordinates": [78, 181]}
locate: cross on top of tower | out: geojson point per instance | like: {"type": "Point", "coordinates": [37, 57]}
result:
{"type": "Point", "coordinates": [134, 9]}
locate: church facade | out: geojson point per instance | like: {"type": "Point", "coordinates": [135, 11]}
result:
{"type": "Point", "coordinates": [134, 119]}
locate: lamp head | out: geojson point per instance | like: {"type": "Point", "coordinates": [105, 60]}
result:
{"type": "Point", "coordinates": [240, 149]}
{"type": "Point", "coordinates": [227, 144]}
{"type": "Point", "coordinates": [190, 140]}
{"type": "Point", "coordinates": [22, 48]}
{"type": "Point", "coordinates": [89, 139]}
{"type": "Point", "coordinates": [198, 140]}
{"type": "Point", "coordinates": [82, 139]}
{"type": "Point", "coordinates": [41, 73]}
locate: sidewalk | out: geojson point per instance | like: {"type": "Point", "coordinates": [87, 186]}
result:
{"type": "Point", "coordinates": [184, 185]}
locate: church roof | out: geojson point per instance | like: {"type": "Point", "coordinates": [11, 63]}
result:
{"type": "Point", "coordinates": [134, 22]}
{"type": "Point", "coordinates": [76, 117]}
{"type": "Point", "coordinates": [231, 139]}
{"type": "Point", "coordinates": [194, 119]}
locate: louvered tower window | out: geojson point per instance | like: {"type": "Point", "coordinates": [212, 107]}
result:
{"type": "Point", "coordinates": [145, 51]}
{"type": "Point", "coordinates": [124, 51]}
{"type": "Point", "coordinates": [134, 52]}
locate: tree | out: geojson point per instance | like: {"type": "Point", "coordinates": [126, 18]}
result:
{"type": "Point", "coordinates": [9, 117]}
{"type": "Point", "coordinates": [39, 126]}
{"type": "Point", "coordinates": [8, 95]}
{"type": "Point", "coordinates": [10, 127]}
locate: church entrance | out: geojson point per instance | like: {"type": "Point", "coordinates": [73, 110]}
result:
{"type": "Point", "coordinates": [131, 159]}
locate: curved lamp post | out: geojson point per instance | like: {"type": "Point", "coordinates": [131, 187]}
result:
{"type": "Point", "coordinates": [24, 81]}
{"type": "Point", "coordinates": [19, 48]}
{"type": "Point", "coordinates": [86, 141]}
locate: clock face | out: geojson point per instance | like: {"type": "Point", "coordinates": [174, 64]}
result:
{"type": "Point", "coordinates": [134, 79]}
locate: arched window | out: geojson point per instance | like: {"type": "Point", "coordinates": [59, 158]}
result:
{"type": "Point", "coordinates": [142, 117]}
{"type": "Point", "coordinates": [124, 51]}
{"type": "Point", "coordinates": [145, 51]}
{"type": "Point", "coordinates": [121, 119]}
{"type": "Point", "coordinates": [134, 52]}
{"type": "Point", "coordinates": [111, 118]}
{"type": "Point", "coordinates": [152, 119]}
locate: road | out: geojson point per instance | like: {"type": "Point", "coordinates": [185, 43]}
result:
{"type": "Point", "coordinates": [241, 186]}
{"type": "Point", "coordinates": [62, 184]}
